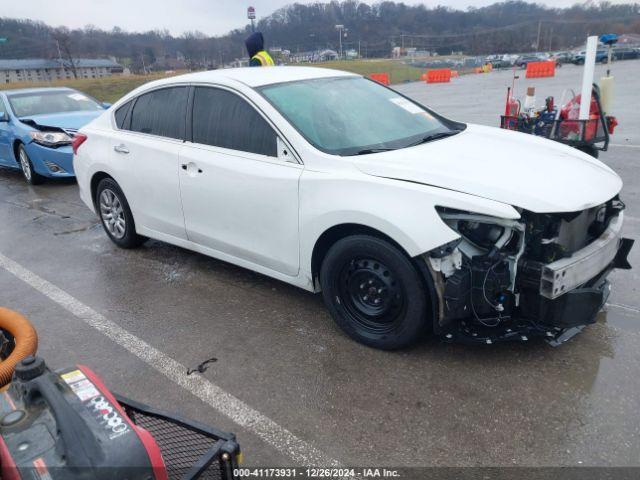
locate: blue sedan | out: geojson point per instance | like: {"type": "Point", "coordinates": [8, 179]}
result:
{"type": "Point", "coordinates": [37, 127]}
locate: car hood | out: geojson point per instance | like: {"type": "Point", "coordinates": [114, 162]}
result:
{"type": "Point", "coordinates": [74, 120]}
{"type": "Point", "coordinates": [509, 167]}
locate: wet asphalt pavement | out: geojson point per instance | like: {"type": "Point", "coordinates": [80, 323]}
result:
{"type": "Point", "coordinates": [279, 352]}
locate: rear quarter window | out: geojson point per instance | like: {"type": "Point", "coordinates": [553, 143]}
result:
{"type": "Point", "coordinates": [121, 116]}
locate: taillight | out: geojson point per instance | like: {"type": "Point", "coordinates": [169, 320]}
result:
{"type": "Point", "coordinates": [78, 140]}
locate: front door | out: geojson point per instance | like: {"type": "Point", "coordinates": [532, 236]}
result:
{"type": "Point", "coordinates": [238, 197]}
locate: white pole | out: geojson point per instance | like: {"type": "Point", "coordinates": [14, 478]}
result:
{"type": "Point", "coordinates": [587, 77]}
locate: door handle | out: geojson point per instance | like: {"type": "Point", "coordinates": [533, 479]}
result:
{"type": "Point", "coordinates": [122, 148]}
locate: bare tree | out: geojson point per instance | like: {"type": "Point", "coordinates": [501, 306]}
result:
{"type": "Point", "coordinates": [63, 42]}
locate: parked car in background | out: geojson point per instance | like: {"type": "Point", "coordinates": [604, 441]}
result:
{"type": "Point", "coordinates": [626, 53]}
{"type": "Point", "coordinates": [523, 60]}
{"type": "Point", "coordinates": [562, 57]}
{"type": "Point", "coordinates": [37, 127]}
{"type": "Point", "coordinates": [499, 61]}
{"type": "Point", "coordinates": [578, 58]}
{"type": "Point", "coordinates": [334, 183]}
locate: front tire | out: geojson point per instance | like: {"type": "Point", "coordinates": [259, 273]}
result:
{"type": "Point", "coordinates": [374, 293]}
{"type": "Point", "coordinates": [28, 172]}
{"type": "Point", "coordinates": [115, 215]}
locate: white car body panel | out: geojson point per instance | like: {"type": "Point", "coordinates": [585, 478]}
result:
{"type": "Point", "coordinates": [243, 204]}
{"type": "Point", "coordinates": [510, 167]}
{"type": "Point", "coordinates": [149, 176]}
{"type": "Point", "coordinates": [267, 214]}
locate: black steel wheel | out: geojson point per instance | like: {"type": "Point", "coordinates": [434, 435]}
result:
{"type": "Point", "coordinates": [374, 293]}
{"type": "Point", "coordinates": [371, 294]}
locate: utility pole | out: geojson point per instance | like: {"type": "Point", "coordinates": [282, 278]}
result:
{"type": "Point", "coordinates": [340, 28]}
{"type": "Point", "coordinates": [538, 38]}
{"type": "Point", "coordinates": [550, 37]}
{"type": "Point", "coordinates": [144, 67]}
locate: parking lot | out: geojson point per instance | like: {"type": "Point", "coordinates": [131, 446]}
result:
{"type": "Point", "coordinates": [294, 389]}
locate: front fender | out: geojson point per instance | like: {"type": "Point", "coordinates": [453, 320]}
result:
{"type": "Point", "coordinates": [403, 211]}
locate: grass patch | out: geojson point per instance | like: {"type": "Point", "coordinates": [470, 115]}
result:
{"type": "Point", "coordinates": [398, 71]}
{"type": "Point", "coordinates": [110, 89]}
{"type": "Point", "coordinates": [107, 89]}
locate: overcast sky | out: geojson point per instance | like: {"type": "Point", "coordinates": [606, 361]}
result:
{"type": "Point", "coordinates": [213, 17]}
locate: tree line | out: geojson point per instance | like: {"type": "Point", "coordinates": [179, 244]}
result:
{"type": "Point", "coordinates": [371, 29]}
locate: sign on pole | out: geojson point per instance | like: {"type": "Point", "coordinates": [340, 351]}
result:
{"type": "Point", "coordinates": [251, 13]}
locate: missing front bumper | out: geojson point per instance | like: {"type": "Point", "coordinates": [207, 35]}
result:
{"type": "Point", "coordinates": [564, 275]}
{"type": "Point", "coordinates": [560, 320]}
{"type": "Point", "coordinates": [556, 320]}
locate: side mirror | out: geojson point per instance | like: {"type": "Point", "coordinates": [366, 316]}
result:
{"type": "Point", "coordinates": [106, 105]}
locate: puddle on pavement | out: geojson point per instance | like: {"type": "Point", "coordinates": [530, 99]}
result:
{"type": "Point", "coordinates": [622, 317]}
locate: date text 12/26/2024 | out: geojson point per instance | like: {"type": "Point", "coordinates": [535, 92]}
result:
{"type": "Point", "coordinates": [316, 473]}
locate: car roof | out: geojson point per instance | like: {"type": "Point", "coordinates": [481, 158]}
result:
{"type": "Point", "coordinates": [259, 76]}
{"type": "Point", "coordinates": [37, 90]}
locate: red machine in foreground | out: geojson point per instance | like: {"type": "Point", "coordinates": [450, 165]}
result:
{"type": "Point", "coordinates": [67, 425]}
{"type": "Point", "coordinates": [562, 124]}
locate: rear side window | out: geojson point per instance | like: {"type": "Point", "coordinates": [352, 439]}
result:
{"type": "Point", "coordinates": [223, 119]}
{"type": "Point", "coordinates": [121, 116]}
{"type": "Point", "coordinates": [161, 112]}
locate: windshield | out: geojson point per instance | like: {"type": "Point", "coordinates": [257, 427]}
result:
{"type": "Point", "coordinates": [59, 101]}
{"type": "Point", "coordinates": [353, 115]}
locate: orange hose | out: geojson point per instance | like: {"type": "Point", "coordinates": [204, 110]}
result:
{"type": "Point", "coordinates": [26, 340]}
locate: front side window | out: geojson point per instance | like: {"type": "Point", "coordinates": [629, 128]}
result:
{"type": "Point", "coordinates": [161, 112]}
{"type": "Point", "coordinates": [223, 119]}
{"type": "Point", "coordinates": [48, 102]}
{"type": "Point", "coordinates": [353, 115]}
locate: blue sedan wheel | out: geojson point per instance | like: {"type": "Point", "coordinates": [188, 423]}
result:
{"type": "Point", "coordinates": [30, 175]}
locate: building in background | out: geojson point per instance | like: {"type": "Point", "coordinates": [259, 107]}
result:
{"type": "Point", "coordinates": [314, 56]}
{"type": "Point", "coordinates": [43, 70]}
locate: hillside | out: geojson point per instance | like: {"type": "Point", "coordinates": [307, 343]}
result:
{"type": "Point", "coordinates": [512, 26]}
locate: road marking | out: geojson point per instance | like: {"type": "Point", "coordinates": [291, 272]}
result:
{"type": "Point", "coordinates": [242, 414]}
{"type": "Point", "coordinates": [622, 306]}
{"type": "Point", "coordinates": [623, 145]}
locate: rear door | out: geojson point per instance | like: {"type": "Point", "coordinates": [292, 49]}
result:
{"type": "Point", "coordinates": [151, 132]}
{"type": "Point", "coordinates": [238, 196]}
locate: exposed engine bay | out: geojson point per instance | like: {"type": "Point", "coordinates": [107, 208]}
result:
{"type": "Point", "coordinates": [540, 275]}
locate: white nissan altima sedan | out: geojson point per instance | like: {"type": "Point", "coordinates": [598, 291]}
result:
{"type": "Point", "coordinates": [407, 222]}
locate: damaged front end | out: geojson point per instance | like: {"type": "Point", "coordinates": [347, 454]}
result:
{"type": "Point", "coordinates": [541, 275]}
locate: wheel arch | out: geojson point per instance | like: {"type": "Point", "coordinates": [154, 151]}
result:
{"type": "Point", "coordinates": [17, 143]}
{"type": "Point", "coordinates": [337, 232]}
{"type": "Point", "coordinates": [96, 178]}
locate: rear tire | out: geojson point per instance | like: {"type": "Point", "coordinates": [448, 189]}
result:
{"type": "Point", "coordinates": [115, 215]}
{"type": "Point", "coordinates": [26, 166]}
{"type": "Point", "coordinates": [374, 293]}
